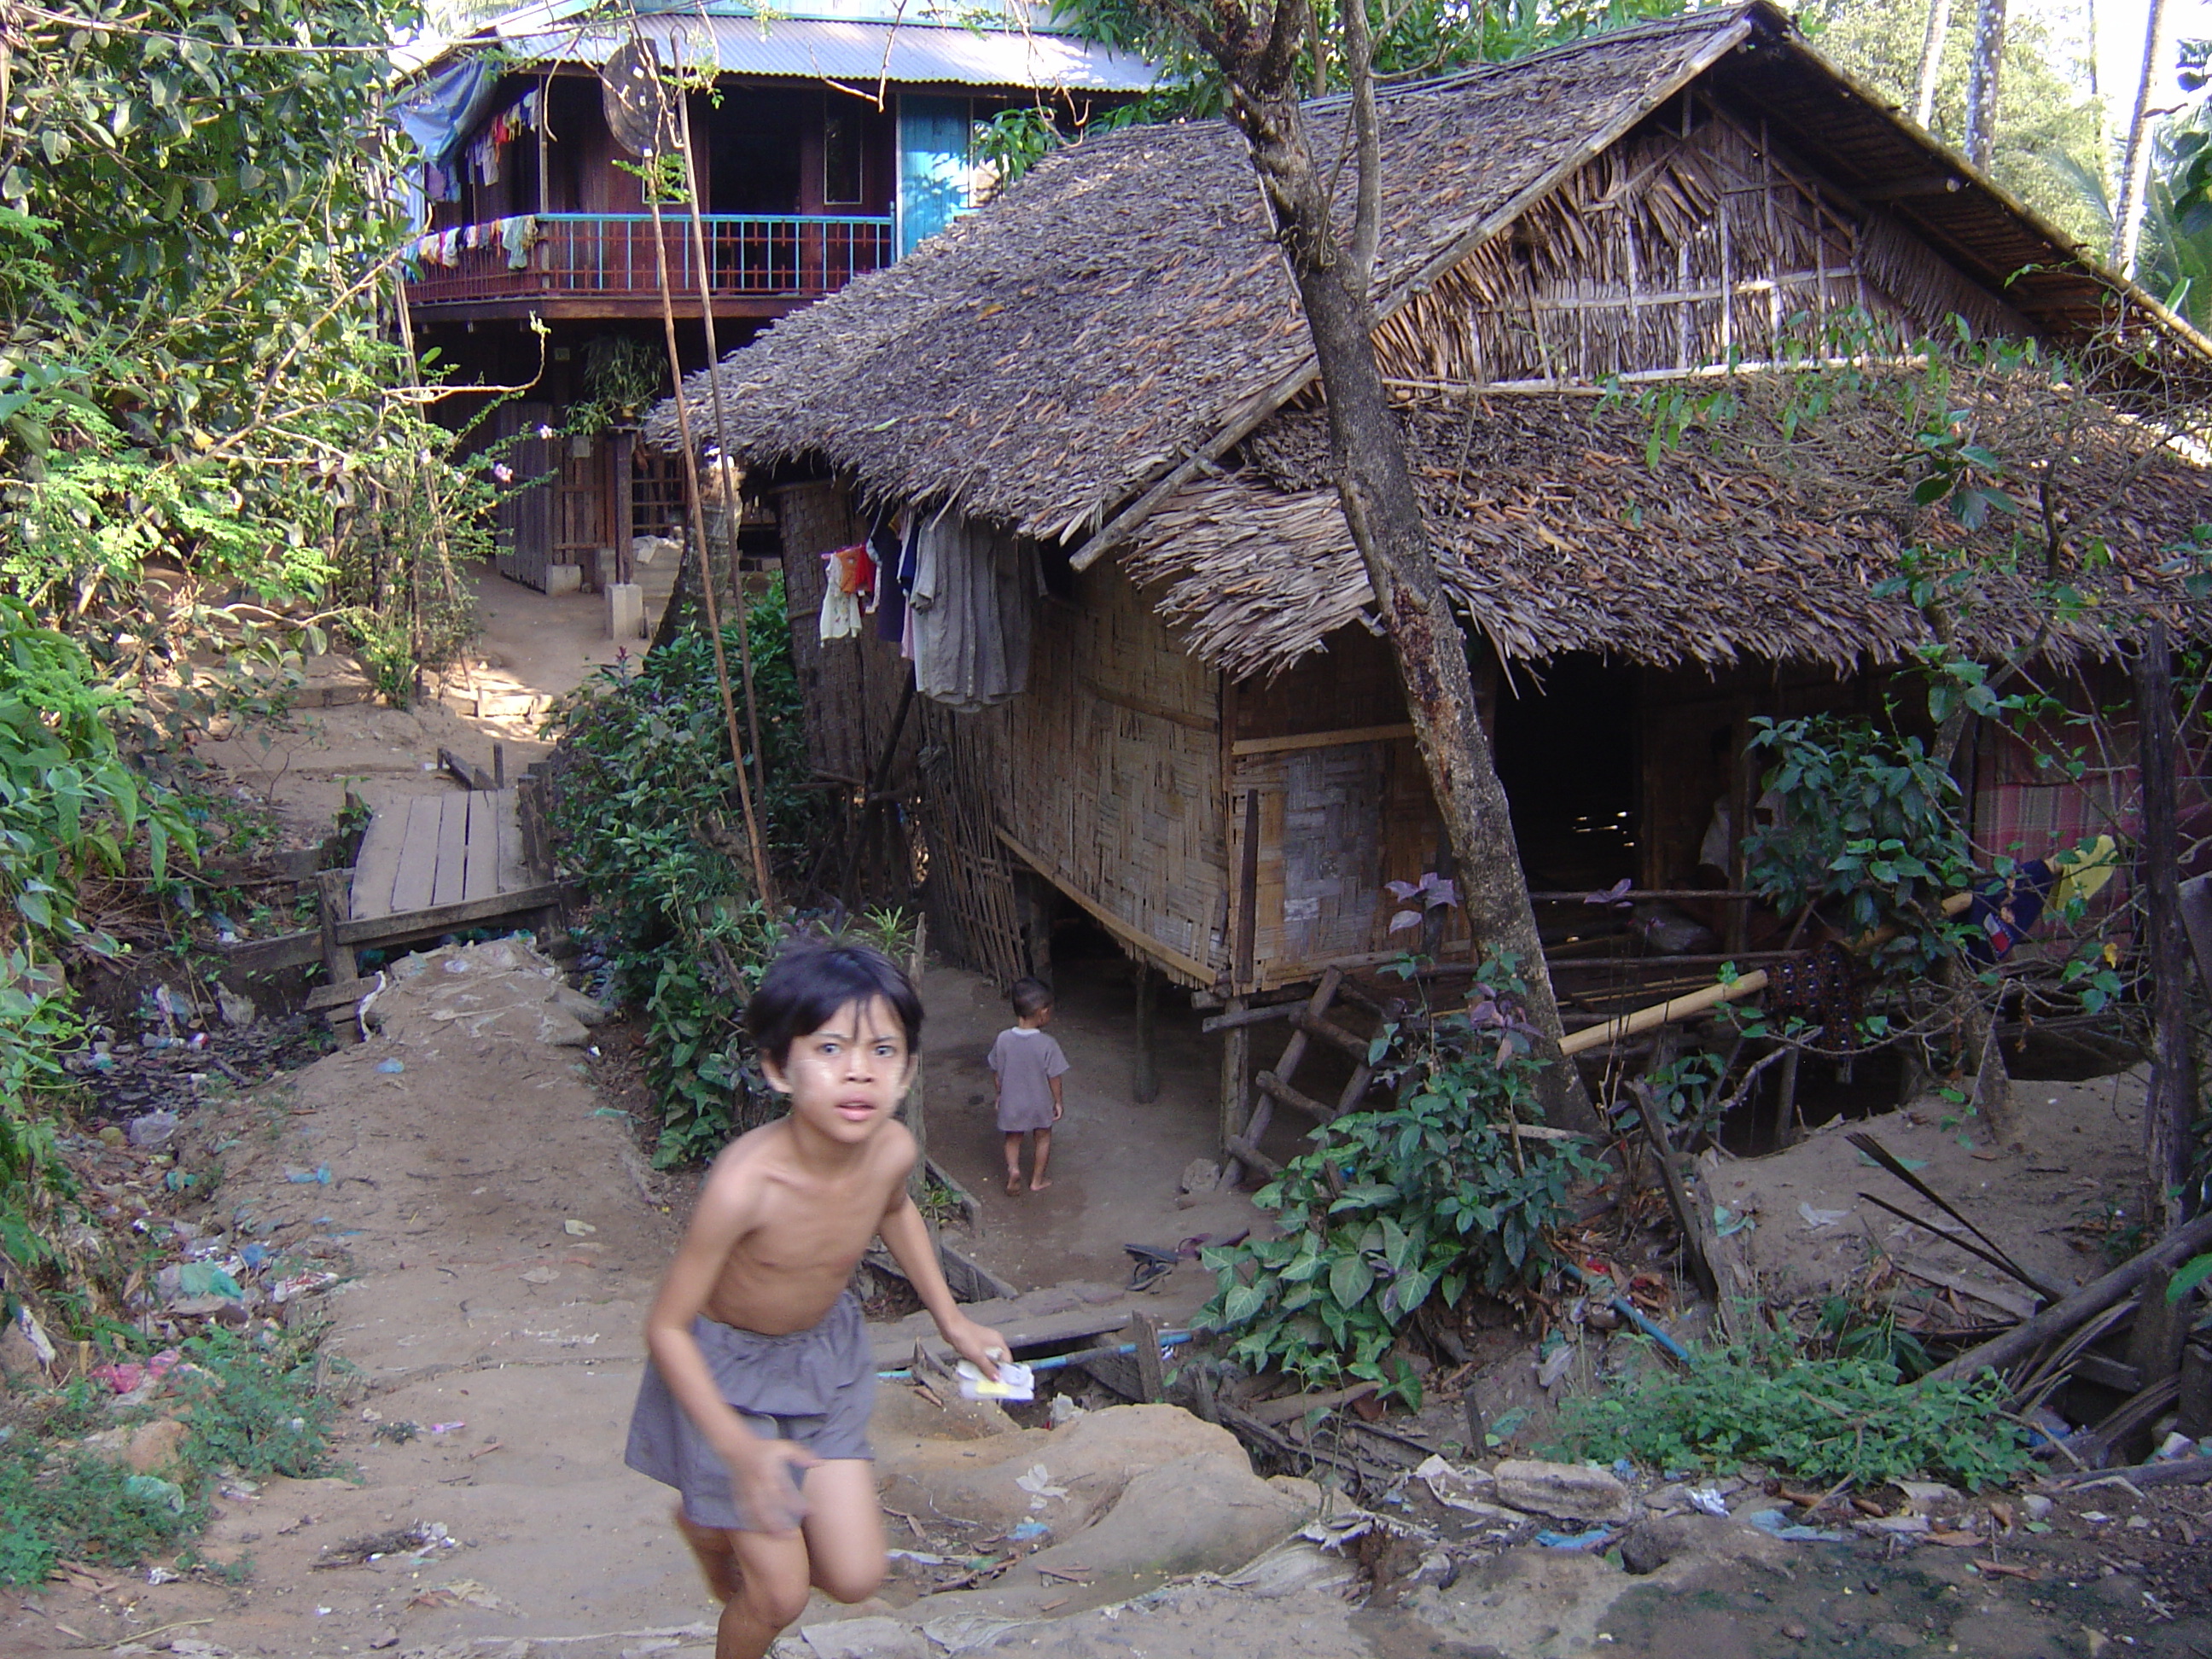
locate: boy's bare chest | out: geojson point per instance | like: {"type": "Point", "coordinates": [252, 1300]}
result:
{"type": "Point", "coordinates": [816, 1231]}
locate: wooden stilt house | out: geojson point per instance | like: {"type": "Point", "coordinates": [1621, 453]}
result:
{"type": "Point", "coordinates": [1107, 372]}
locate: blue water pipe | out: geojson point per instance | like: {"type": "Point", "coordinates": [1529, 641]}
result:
{"type": "Point", "coordinates": [1629, 1310]}
{"type": "Point", "coordinates": [1061, 1361]}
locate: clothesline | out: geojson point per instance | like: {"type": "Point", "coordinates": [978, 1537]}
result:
{"type": "Point", "coordinates": [956, 596]}
{"type": "Point", "coordinates": [516, 234]}
{"type": "Point", "coordinates": [480, 159]}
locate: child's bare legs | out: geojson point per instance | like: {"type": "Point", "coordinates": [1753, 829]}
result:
{"type": "Point", "coordinates": [1038, 1182]}
{"type": "Point", "coordinates": [762, 1578]}
{"type": "Point", "coordinates": [1013, 1162]}
{"type": "Point", "coordinates": [717, 1560]}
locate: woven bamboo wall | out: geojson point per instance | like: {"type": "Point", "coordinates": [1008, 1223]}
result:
{"type": "Point", "coordinates": [1112, 774]}
{"type": "Point", "coordinates": [1324, 764]}
{"type": "Point", "coordinates": [1692, 241]}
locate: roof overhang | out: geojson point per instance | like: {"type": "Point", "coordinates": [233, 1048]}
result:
{"type": "Point", "coordinates": [862, 42]}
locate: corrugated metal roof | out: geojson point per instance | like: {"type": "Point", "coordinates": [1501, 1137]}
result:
{"type": "Point", "coordinates": [859, 51]}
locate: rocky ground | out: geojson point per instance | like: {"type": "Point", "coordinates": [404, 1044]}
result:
{"type": "Point", "coordinates": [493, 1231]}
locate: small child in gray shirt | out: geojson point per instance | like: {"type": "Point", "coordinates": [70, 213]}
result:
{"type": "Point", "coordinates": [1030, 1066]}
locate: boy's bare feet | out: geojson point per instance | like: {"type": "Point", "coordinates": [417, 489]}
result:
{"type": "Point", "coordinates": [1014, 1186]}
{"type": "Point", "coordinates": [1039, 1185]}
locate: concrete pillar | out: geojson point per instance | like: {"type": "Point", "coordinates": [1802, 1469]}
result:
{"type": "Point", "coordinates": [625, 610]}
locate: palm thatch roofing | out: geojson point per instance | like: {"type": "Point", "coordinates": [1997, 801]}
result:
{"type": "Point", "coordinates": [1557, 528]}
{"type": "Point", "coordinates": [1121, 316]}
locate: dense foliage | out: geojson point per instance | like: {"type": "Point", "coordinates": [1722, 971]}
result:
{"type": "Point", "coordinates": [646, 810]}
{"type": "Point", "coordinates": [1433, 1198]}
{"type": "Point", "coordinates": [69, 805]}
{"type": "Point", "coordinates": [209, 452]}
{"type": "Point", "coordinates": [1866, 825]}
{"type": "Point", "coordinates": [1762, 1402]}
{"type": "Point", "coordinates": [197, 218]}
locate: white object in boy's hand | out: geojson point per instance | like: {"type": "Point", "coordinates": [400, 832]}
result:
{"type": "Point", "coordinates": [1015, 1382]}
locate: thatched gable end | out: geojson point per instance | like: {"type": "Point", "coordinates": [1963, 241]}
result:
{"type": "Point", "coordinates": [1123, 312]}
{"type": "Point", "coordinates": [1098, 323]}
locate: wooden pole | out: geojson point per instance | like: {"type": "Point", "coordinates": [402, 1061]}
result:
{"type": "Point", "coordinates": [762, 882]}
{"type": "Point", "coordinates": [2171, 1100]}
{"type": "Point", "coordinates": [725, 464]}
{"type": "Point", "coordinates": [1235, 1085]}
{"type": "Point", "coordinates": [2084, 1304]}
{"type": "Point", "coordinates": [1144, 1084]}
{"type": "Point", "coordinates": [917, 1117]}
{"type": "Point", "coordinates": [1144, 1334]}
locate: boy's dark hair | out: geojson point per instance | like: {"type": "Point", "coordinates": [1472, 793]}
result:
{"type": "Point", "coordinates": [806, 985]}
{"type": "Point", "coordinates": [1029, 996]}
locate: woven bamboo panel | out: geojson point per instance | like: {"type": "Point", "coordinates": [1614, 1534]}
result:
{"type": "Point", "coordinates": [1113, 772]}
{"type": "Point", "coordinates": [970, 872]}
{"type": "Point", "coordinates": [1694, 240]}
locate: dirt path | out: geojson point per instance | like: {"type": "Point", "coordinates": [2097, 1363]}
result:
{"type": "Point", "coordinates": [456, 1164]}
{"type": "Point", "coordinates": [501, 1234]}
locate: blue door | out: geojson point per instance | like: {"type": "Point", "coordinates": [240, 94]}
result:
{"type": "Point", "coordinates": [933, 174]}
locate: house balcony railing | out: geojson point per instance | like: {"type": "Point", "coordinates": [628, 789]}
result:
{"type": "Point", "coordinates": [784, 256]}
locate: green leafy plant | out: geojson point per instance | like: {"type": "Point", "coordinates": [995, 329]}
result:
{"type": "Point", "coordinates": [622, 375]}
{"type": "Point", "coordinates": [1867, 823]}
{"type": "Point", "coordinates": [1391, 1209]}
{"type": "Point", "coordinates": [647, 812]}
{"type": "Point", "coordinates": [1762, 1401]}
{"type": "Point", "coordinates": [70, 1506]}
{"type": "Point", "coordinates": [254, 1409]}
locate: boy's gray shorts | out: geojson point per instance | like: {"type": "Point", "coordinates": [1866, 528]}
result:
{"type": "Point", "coordinates": [814, 1388]}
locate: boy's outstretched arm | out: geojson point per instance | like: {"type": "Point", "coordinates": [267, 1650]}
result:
{"type": "Point", "coordinates": [907, 1236]}
{"type": "Point", "coordinates": [766, 1474]}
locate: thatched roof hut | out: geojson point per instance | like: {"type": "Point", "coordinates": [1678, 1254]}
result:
{"type": "Point", "coordinates": [1107, 368]}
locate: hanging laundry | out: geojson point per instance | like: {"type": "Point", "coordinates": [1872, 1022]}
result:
{"type": "Point", "coordinates": [886, 544]}
{"type": "Point", "coordinates": [518, 235]}
{"type": "Point", "coordinates": [840, 595]}
{"type": "Point", "coordinates": [973, 592]}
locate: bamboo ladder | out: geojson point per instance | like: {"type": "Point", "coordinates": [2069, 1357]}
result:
{"type": "Point", "coordinates": [1311, 1022]}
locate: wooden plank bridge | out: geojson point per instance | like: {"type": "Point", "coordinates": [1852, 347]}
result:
{"type": "Point", "coordinates": [427, 866]}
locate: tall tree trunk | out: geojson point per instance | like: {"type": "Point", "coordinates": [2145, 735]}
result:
{"type": "Point", "coordinates": [1984, 69]}
{"type": "Point", "coordinates": [1931, 60]}
{"type": "Point", "coordinates": [2134, 166]}
{"type": "Point", "coordinates": [1375, 487]}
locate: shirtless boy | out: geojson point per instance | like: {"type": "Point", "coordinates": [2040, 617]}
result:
{"type": "Point", "coordinates": [755, 1398]}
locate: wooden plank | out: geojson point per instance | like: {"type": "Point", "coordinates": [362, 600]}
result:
{"type": "Point", "coordinates": [376, 866]}
{"type": "Point", "coordinates": [346, 994]}
{"type": "Point", "coordinates": [511, 870]}
{"type": "Point", "coordinates": [892, 1344]}
{"type": "Point", "coordinates": [443, 918]}
{"type": "Point", "coordinates": [1244, 747]}
{"type": "Point", "coordinates": [452, 851]}
{"type": "Point", "coordinates": [468, 777]}
{"type": "Point", "coordinates": [480, 863]}
{"type": "Point", "coordinates": [268, 956]}
{"type": "Point", "coordinates": [418, 856]}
